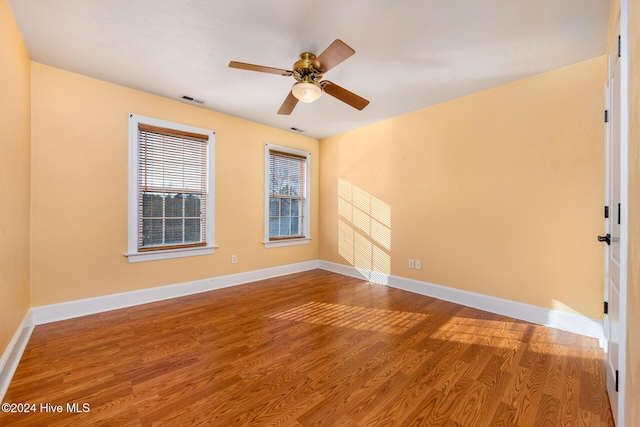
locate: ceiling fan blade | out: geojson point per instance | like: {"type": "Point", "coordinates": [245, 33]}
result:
{"type": "Point", "coordinates": [259, 68]}
{"type": "Point", "coordinates": [288, 105]}
{"type": "Point", "coordinates": [344, 95]}
{"type": "Point", "coordinates": [337, 52]}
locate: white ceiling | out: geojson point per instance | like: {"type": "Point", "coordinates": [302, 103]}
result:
{"type": "Point", "coordinates": [410, 54]}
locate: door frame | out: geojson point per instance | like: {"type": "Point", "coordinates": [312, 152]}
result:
{"type": "Point", "coordinates": [623, 110]}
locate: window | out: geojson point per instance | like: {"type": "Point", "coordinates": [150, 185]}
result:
{"type": "Point", "coordinates": [286, 196]}
{"type": "Point", "coordinates": [170, 190]}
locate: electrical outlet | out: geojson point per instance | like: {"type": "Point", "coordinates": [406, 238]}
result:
{"type": "Point", "coordinates": [233, 259]}
{"type": "Point", "coordinates": [418, 265]}
{"type": "Point", "coordinates": [411, 263]}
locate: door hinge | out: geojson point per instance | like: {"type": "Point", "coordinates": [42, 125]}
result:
{"type": "Point", "coordinates": [606, 116]}
{"type": "Point", "coordinates": [619, 212]}
{"type": "Point", "coordinates": [606, 211]}
{"type": "Point", "coordinates": [619, 47]}
{"type": "Point", "coordinates": [617, 372]}
{"type": "Point", "coordinates": [606, 307]}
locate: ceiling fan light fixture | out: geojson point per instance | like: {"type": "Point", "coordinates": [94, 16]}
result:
{"type": "Point", "coordinates": [306, 92]}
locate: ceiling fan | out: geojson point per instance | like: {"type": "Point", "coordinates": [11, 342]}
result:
{"type": "Point", "coordinates": [308, 72]}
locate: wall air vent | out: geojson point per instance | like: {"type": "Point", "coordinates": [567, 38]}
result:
{"type": "Point", "coordinates": [192, 99]}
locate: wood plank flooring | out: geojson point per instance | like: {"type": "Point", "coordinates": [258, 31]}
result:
{"type": "Point", "coordinates": [310, 349]}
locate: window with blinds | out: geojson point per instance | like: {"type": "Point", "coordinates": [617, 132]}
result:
{"type": "Point", "coordinates": [172, 193]}
{"type": "Point", "coordinates": [287, 188]}
{"type": "Point", "coordinates": [171, 190]}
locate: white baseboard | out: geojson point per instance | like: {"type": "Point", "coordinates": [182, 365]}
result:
{"type": "Point", "coordinates": [72, 309]}
{"type": "Point", "coordinates": [13, 353]}
{"type": "Point", "coordinates": [530, 313]}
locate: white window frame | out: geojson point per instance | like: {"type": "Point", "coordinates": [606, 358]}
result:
{"type": "Point", "coordinates": [133, 254]}
{"type": "Point", "coordinates": [307, 199]}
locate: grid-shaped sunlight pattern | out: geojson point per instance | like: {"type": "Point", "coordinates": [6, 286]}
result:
{"type": "Point", "coordinates": [364, 232]}
{"type": "Point", "coordinates": [346, 316]}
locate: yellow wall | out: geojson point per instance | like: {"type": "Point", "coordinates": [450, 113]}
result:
{"type": "Point", "coordinates": [499, 192]}
{"type": "Point", "coordinates": [14, 176]}
{"type": "Point", "coordinates": [79, 189]}
{"type": "Point", "coordinates": [632, 396]}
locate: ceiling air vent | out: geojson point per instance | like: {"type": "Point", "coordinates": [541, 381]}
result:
{"type": "Point", "coordinates": [296, 130]}
{"type": "Point", "coordinates": [192, 99]}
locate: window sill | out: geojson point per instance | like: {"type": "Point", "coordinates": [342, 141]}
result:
{"type": "Point", "coordinates": [169, 253]}
{"type": "Point", "coordinates": [291, 242]}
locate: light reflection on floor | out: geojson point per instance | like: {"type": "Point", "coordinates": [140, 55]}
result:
{"type": "Point", "coordinates": [346, 316]}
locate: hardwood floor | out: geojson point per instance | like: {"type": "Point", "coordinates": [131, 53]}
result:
{"type": "Point", "coordinates": [309, 349]}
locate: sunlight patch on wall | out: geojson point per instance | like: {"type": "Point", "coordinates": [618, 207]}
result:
{"type": "Point", "coordinates": [345, 246]}
{"type": "Point", "coordinates": [567, 318]}
{"type": "Point", "coordinates": [364, 232]}
{"type": "Point", "coordinates": [558, 305]}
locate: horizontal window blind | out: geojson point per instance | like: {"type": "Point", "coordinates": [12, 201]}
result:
{"type": "Point", "coordinates": [287, 185]}
{"type": "Point", "coordinates": [172, 192]}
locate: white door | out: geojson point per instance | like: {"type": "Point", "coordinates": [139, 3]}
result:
{"type": "Point", "coordinates": [615, 249]}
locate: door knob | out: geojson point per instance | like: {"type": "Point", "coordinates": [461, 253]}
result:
{"type": "Point", "coordinates": [606, 238]}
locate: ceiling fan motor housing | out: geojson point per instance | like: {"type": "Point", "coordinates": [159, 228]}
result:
{"type": "Point", "coordinates": [304, 71]}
